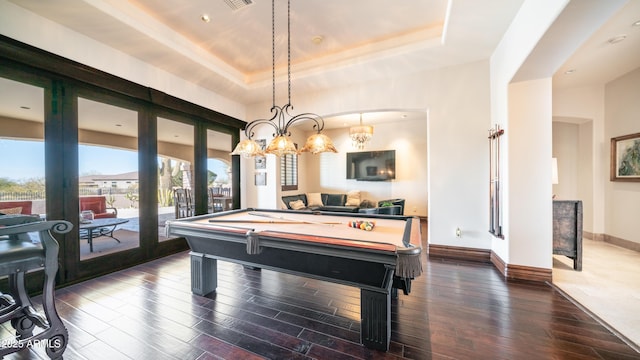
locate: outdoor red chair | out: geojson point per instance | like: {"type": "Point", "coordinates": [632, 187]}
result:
{"type": "Point", "coordinates": [97, 204]}
{"type": "Point", "coordinates": [15, 207]}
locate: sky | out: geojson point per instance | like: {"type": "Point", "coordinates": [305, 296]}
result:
{"type": "Point", "coordinates": [92, 160]}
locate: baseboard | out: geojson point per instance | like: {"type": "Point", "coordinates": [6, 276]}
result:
{"type": "Point", "coordinates": [519, 272]}
{"type": "Point", "coordinates": [593, 236]}
{"type": "Point", "coordinates": [509, 271]}
{"type": "Point", "coordinates": [623, 243]}
{"type": "Point", "coordinates": [499, 263]}
{"type": "Point", "coordinates": [630, 245]}
{"type": "Point", "coordinates": [460, 253]}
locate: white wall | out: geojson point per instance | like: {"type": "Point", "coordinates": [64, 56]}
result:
{"type": "Point", "coordinates": [531, 22]}
{"type": "Point", "coordinates": [623, 198]}
{"type": "Point", "coordinates": [586, 106]}
{"type": "Point", "coordinates": [585, 190]}
{"type": "Point", "coordinates": [529, 229]}
{"type": "Point", "coordinates": [573, 147]}
{"type": "Point", "coordinates": [458, 157]}
{"type": "Point", "coordinates": [565, 149]}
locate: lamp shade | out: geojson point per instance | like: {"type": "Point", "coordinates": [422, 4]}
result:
{"type": "Point", "coordinates": [554, 171]}
{"type": "Point", "coordinates": [318, 143]}
{"type": "Point", "coordinates": [281, 145]}
{"type": "Point", "coordinates": [247, 148]}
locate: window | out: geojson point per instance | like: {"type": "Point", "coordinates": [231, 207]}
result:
{"type": "Point", "coordinates": [289, 172]}
{"type": "Point", "coordinates": [108, 149]}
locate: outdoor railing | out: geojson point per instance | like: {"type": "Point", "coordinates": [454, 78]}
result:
{"type": "Point", "coordinates": [105, 191]}
{"type": "Point", "coordinates": [40, 195]}
{"type": "Point", "coordinates": [21, 195]}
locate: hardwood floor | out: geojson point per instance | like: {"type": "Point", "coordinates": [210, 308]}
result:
{"type": "Point", "coordinates": [456, 310]}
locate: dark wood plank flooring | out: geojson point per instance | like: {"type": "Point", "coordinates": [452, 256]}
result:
{"type": "Point", "coordinates": [457, 310]}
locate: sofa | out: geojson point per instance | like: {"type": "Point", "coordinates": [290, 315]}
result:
{"type": "Point", "coordinates": [320, 202]}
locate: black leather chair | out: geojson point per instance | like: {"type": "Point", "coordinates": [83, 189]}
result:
{"type": "Point", "coordinates": [20, 254]}
{"type": "Point", "coordinates": [390, 210]}
{"type": "Point", "coordinates": [393, 202]}
{"type": "Point", "coordinates": [383, 210]}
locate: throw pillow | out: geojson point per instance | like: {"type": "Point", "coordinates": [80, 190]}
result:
{"type": "Point", "coordinates": [12, 211]}
{"type": "Point", "coordinates": [314, 199]}
{"type": "Point", "coordinates": [353, 198]}
{"type": "Point", "coordinates": [296, 205]}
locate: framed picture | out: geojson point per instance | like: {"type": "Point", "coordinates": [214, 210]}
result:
{"type": "Point", "coordinates": [261, 162]}
{"type": "Point", "coordinates": [261, 179]}
{"type": "Point", "coordinates": [625, 158]}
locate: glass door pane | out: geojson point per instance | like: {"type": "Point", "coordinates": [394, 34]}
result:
{"type": "Point", "coordinates": [22, 176]}
{"type": "Point", "coordinates": [175, 161]}
{"type": "Point", "coordinates": [108, 178]}
{"type": "Point", "coordinates": [219, 171]}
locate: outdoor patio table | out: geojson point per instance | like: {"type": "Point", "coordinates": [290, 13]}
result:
{"type": "Point", "coordinates": [99, 227]}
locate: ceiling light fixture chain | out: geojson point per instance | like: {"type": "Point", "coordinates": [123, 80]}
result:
{"type": "Point", "coordinates": [281, 143]}
{"type": "Point", "coordinates": [289, 51]}
{"type": "Point", "coordinates": [273, 54]}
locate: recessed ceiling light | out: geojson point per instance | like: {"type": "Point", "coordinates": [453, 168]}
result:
{"type": "Point", "coordinates": [637, 23]}
{"type": "Point", "coordinates": [318, 39]}
{"type": "Point", "coordinates": [118, 125]}
{"type": "Point", "coordinates": [25, 107]}
{"type": "Point", "coordinates": [617, 39]}
{"type": "Point", "coordinates": [205, 18]}
{"type": "Point", "coordinates": [570, 71]}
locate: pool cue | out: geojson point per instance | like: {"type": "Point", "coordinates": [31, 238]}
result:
{"type": "Point", "coordinates": [293, 220]}
{"type": "Point", "coordinates": [233, 227]}
{"type": "Point", "coordinates": [283, 221]}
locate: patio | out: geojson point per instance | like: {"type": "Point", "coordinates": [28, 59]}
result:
{"type": "Point", "coordinates": [127, 233]}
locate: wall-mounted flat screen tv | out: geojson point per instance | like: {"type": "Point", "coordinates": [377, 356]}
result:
{"type": "Point", "coordinates": [371, 165]}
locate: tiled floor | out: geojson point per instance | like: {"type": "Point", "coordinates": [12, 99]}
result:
{"type": "Point", "coordinates": [608, 285]}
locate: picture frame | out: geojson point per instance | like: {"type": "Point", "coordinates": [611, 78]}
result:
{"type": "Point", "coordinates": [625, 158]}
{"type": "Point", "coordinates": [261, 160]}
{"type": "Point", "coordinates": [261, 179]}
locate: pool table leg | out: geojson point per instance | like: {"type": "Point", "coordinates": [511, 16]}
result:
{"type": "Point", "coordinates": [375, 325]}
{"type": "Point", "coordinates": [204, 274]}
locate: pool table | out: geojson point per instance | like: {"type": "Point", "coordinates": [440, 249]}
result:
{"type": "Point", "coordinates": [316, 245]}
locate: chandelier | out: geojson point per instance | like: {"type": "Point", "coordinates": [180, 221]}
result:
{"type": "Point", "coordinates": [282, 120]}
{"type": "Point", "coordinates": [360, 134]}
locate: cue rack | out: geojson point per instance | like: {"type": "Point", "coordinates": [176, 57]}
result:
{"type": "Point", "coordinates": [495, 197]}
